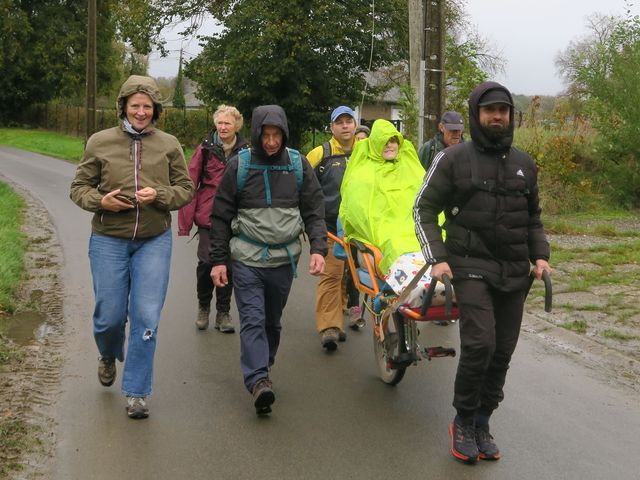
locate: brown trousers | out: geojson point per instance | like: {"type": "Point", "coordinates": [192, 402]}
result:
{"type": "Point", "coordinates": [330, 297]}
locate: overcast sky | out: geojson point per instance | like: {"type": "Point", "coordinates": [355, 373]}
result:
{"type": "Point", "coordinates": [528, 33]}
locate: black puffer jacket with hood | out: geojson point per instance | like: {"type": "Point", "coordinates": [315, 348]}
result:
{"type": "Point", "coordinates": [242, 222]}
{"type": "Point", "coordinates": [489, 193]}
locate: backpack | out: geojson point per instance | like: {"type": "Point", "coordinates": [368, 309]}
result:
{"type": "Point", "coordinates": [208, 147]}
{"type": "Point", "coordinates": [244, 165]}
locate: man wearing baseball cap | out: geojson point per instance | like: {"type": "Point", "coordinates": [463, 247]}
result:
{"type": "Point", "coordinates": [330, 161]}
{"type": "Point", "coordinates": [449, 133]}
{"type": "Point", "coordinates": [488, 190]}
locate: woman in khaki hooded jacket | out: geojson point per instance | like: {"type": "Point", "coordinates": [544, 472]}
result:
{"type": "Point", "coordinates": [131, 176]}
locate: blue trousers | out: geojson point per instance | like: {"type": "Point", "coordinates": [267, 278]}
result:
{"type": "Point", "coordinates": [261, 295]}
{"type": "Point", "coordinates": [130, 279]}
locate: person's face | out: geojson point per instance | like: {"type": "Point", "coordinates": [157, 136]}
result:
{"type": "Point", "coordinates": [451, 137]}
{"type": "Point", "coordinates": [391, 149]}
{"type": "Point", "coordinates": [494, 117]}
{"type": "Point", "coordinates": [361, 136]}
{"type": "Point", "coordinates": [271, 139]}
{"type": "Point", "coordinates": [226, 127]}
{"type": "Point", "coordinates": [139, 110]}
{"type": "Point", "coordinates": [343, 128]}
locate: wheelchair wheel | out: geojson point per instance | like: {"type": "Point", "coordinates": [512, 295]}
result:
{"type": "Point", "coordinates": [387, 349]}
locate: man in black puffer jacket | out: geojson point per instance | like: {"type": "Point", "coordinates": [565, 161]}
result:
{"type": "Point", "coordinates": [489, 193]}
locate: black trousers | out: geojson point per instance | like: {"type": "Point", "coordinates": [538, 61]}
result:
{"type": "Point", "coordinates": [489, 328]}
{"type": "Point", "coordinates": [353, 295]}
{"type": "Point", "coordinates": [204, 285]}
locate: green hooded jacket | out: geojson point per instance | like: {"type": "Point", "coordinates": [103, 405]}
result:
{"type": "Point", "coordinates": [378, 195]}
{"type": "Point", "coordinates": [108, 164]}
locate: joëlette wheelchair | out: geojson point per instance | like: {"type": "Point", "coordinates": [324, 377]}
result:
{"type": "Point", "coordinates": [395, 331]}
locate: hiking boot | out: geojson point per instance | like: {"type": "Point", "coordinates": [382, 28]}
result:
{"type": "Point", "coordinates": [106, 371]}
{"type": "Point", "coordinates": [355, 318]}
{"type": "Point", "coordinates": [202, 322]}
{"type": "Point", "coordinates": [263, 396]}
{"type": "Point", "coordinates": [137, 407]}
{"type": "Point", "coordinates": [486, 446]}
{"type": "Point", "coordinates": [463, 440]}
{"type": "Point", "coordinates": [223, 323]}
{"type": "Point", "coordinates": [329, 338]}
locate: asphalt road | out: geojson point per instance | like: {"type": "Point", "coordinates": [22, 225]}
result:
{"type": "Point", "coordinates": [333, 418]}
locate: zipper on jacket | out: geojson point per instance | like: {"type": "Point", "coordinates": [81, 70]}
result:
{"type": "Point", "coordinates": [136, 166]}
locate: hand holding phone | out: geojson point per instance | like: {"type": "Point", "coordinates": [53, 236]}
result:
{"type": "Point", "coordinates": [123, 199]}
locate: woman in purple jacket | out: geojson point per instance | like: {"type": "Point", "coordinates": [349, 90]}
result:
{"type": "Point", "coordinates": [206, 168]}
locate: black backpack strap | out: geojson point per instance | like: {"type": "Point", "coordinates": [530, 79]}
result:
{"type": "Point", "coordinates": [326, 150]}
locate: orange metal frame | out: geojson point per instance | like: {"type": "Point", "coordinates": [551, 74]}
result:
{"type": "Point", "coordinates": [434, 312]}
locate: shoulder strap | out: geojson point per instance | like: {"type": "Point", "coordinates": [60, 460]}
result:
{"type": "Point", "coordinates": [244, 160]}
{"type": "Point", "coordinates": [244, 165]}
{"type": "Point", "coordinates": [296, 163]}
{"type": "Point", "coordinates": [326, 150]}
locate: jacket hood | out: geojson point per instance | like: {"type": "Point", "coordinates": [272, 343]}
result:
{"type": "Point", "coordinates": [381, 132]}
{"type": "Point", "coordinates": [272, 115]}
{"type": "Point", "coordinates": [478, 134]}
{"type": "Point", "coordinates": [139, 84]}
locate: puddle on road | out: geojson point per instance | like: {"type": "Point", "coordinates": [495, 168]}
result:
{"type": "Point", "coordinates": [25, 327]}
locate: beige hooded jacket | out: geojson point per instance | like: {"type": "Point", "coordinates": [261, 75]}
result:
{"type": "Point", "coordinates": [109, 163]}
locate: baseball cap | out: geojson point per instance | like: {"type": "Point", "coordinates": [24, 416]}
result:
{"type": "Point", "coordinates": [452, 121]}
{"type": "Point", "coordinates": [341, 110]}
{"type": "Point", "coordinates": [494, 96]}
{"type": "Point", "coordinates": [363, 128]}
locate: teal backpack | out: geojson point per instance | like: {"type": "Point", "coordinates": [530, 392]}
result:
{"type": "Point", "coordinates": [244, 165]}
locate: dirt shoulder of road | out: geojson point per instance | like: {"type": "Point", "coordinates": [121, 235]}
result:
{"type": "Point", "coordinates": [607, 314]}
{"type": "Point", "coordinates": [30, 384]}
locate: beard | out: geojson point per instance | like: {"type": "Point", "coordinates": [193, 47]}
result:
{"type": "Point", "coordinates": [496, 134]}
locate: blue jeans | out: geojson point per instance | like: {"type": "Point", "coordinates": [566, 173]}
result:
{"type": "Point", "coordinates": [130, 279]}
{"type": "Point", "coordinates": [261, 294]}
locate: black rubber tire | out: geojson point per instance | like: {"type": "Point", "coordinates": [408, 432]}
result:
{"type": "Point", "coordinates": [390, 376]}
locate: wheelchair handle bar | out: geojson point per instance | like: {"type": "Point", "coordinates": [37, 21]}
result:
{"type": "Point", "coordinates": [548, 290]}
{"type": "Point", "coordinates": [448, 295]}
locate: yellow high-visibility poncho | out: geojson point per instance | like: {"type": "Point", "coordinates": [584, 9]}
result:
{"type": "Point", "coordinates": [378, 195]}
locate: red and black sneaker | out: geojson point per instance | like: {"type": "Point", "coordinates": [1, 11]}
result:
{"type": "Point", "coordinates": [463, 440]}
{"type": "Point", "coordinates": [486, 446]}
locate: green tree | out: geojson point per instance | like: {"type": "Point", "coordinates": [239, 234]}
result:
{"type": "Point", "coordinates": [306, 56]}
{"type": "Point", "coordinates": [469, 59]}
{"type": "Point", "coordinates": [178, 93]}
{"type": "Point", "coordinates": [602, 70]}
{"type": "Point", "coordinates": [42, 52]}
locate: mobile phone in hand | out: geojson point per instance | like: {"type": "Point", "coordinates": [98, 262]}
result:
{"type": "Point", "coordinates": [124, 199]}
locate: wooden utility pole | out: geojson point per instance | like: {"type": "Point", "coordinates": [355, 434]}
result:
{"type": "Point", "coordinates": [434, 90]}
{"type": "Point", "coordinates": [416, 42]}
{"type": "Point", "coordinates": [91, 70]}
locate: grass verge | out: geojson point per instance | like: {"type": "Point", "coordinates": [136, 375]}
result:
{"type": "Point", "coordinates": [52, 144]}
{"type": "Point", "coordinates": [12, 248]}
{"type": "Point", "coordinates": [40, 141]}
{"type": "Point", "coordinates": [16, 436]}
{"type": "Point", "coordinates": [12, 245]}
